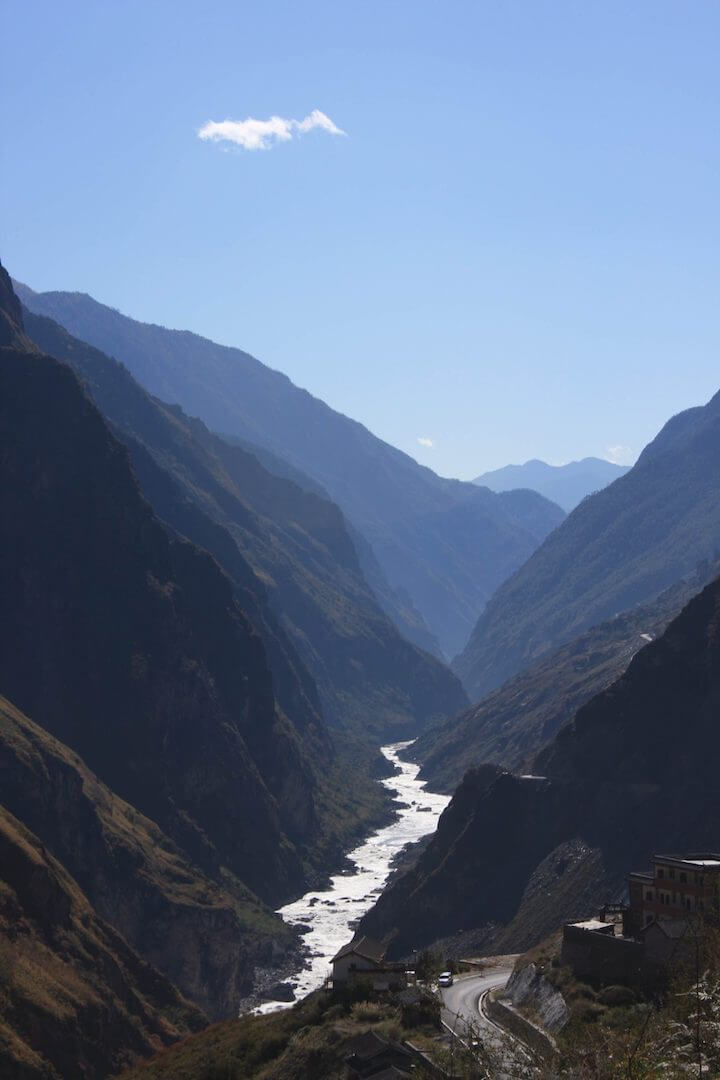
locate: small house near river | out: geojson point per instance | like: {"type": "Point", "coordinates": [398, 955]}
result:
{"type": "Point", "coordinates": [363, 960]}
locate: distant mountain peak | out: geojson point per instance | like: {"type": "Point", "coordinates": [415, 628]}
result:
{"type": "Point", "coordinates": [565, 484]}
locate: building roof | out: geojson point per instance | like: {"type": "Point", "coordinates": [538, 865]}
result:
{"type": "Point", "coordinates": [592, 924]}
{"type": "Point", "coordinates": [363, 946]}
{"type": "Point", "coordinates": [370, 1045]}
{"type": "Point", "coordinates": [708, 860]}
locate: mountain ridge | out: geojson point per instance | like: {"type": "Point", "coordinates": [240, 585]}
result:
{"type": "Point", "coordinates": [512, 724]}
{"type": "Point", "coordinates": [445, 543]}
{"type": "Point", "coordinates": [286, 548]}
{"type": "Point", "coordinates": [620, 547]}
{"type": "Point", "coordinates": [565, 484]}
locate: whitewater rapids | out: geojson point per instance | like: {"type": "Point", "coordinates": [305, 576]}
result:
{"type": "Point", "coordinates": [328, 916]}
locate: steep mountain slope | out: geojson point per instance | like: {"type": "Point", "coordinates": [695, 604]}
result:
{"type": "Point", "coordinates": [634, 772]}
{"type": "Point", "coordinates": [130, 647]}
{"type": "Point", "coordinates": [76, 1000]}
{"type": "Point", "coordinates": [446, 544]}
{"type": "Point", "coordinates": [565, 485]}
{"type": "Point", "coordinates": [395, 602]}
{"type": "Point", "coordinates": [619, 547]}
{"type": "Point", "coordinates": [371, 681]}
{"type": "Point", "coordinates": [512, 724]}
{"type": "Point", "coordinates": [193, 929]}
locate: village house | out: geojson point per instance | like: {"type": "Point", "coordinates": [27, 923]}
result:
{"type": "Point", "coordinates": [676, 885]}
{"type": "Point", "coordinates": [371, 1055]}
{"type": "Point", "coordinates": [658, 924]}
{"type": "Point", "coordinates": [363, 960]}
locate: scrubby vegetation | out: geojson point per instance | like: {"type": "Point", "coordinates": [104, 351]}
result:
{"type": "Point", "coordinates": [307, 1040]}
{"type": "Point", "coordinates": [663, 1030]}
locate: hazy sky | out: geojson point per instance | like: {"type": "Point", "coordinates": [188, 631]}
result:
{"type": "Point", "coordinates": [488, 230]}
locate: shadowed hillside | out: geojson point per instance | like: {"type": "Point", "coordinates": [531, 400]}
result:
{"type": "Point", "coordinates": [129, 646]}
{"type": "Point", "coordinates": [205, 935]}
{"type": "Point", "coordinates": [512, 724]}
{"type": "Point", "coordinates": [445, 544]}
{"type": "Point", "coordinates": [288, 551]}
{"type": "Point", "coordinates": [76, 1001]}
{"type": "Point", "coordinates": [634, 772]}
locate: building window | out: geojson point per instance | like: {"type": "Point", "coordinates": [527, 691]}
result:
{"type": "Point", "coordinates": [660, 872]}
{"type": "Point", "coordinates": [672, 874]}
{"type": "Point", "coordinates": [701, 905]}
{"type": "Point", "coordinates": [649, 895]}
{"type": "Point", "coordinates": [687, 902]}
{"type": "Point", "coordinates": [683, 876]}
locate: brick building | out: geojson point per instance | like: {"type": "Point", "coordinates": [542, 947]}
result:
{"type": "Point", "coordinates": [676, 886]}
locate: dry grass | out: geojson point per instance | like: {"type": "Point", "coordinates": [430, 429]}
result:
{"type": "Point", "coordinates": [306, 1040]}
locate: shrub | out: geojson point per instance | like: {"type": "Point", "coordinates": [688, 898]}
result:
{"type": "Point", "coordinates": [616, 995]}
{"type": "Point", "coordinates": [587, 1011]}
{"type": "Point", "coordinates": [368, 1011]}
{"type": "Point", "coordinates": [424, 1011]}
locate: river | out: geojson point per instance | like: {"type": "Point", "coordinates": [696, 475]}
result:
{"type": "Point", "coordinates": [332, 913]}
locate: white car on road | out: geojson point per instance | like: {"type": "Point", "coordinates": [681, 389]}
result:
{"type": "Point", "coordinates": [445, 978]}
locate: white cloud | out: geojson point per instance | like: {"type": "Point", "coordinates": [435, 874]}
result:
{"type": "Point", "coordinates": [253, 134]}
{"type": "Point", "coordinates": [619, 455]}
{"type": "Point", "coordinates": [424, 441]}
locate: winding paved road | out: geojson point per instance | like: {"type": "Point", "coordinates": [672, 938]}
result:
{"type": "Point", "coordinates": [460, 1002]}
{"type": "Point", "coordinates": [465, 1019]}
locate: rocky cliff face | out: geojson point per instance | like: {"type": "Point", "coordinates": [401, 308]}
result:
{"type": "Point", "coordinates": [76, 1000]}
{"type": "Point", "coordinates": [619, 548]}
{"type": "Point", "coordinates": [192, 928]}
{"type": "Point", "coordinates": [286, 547]}
{"type": "Point", "coordinates": [635, 772]}
{"type": "Point", "coordinates": [445, 544]}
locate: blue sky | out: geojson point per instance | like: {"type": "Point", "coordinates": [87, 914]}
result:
{"type": "Point", "coordinates": [513, 252]}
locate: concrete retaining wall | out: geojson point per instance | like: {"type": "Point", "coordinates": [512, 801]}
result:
{"type": "Point", "coordinates": [521, 1028]}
